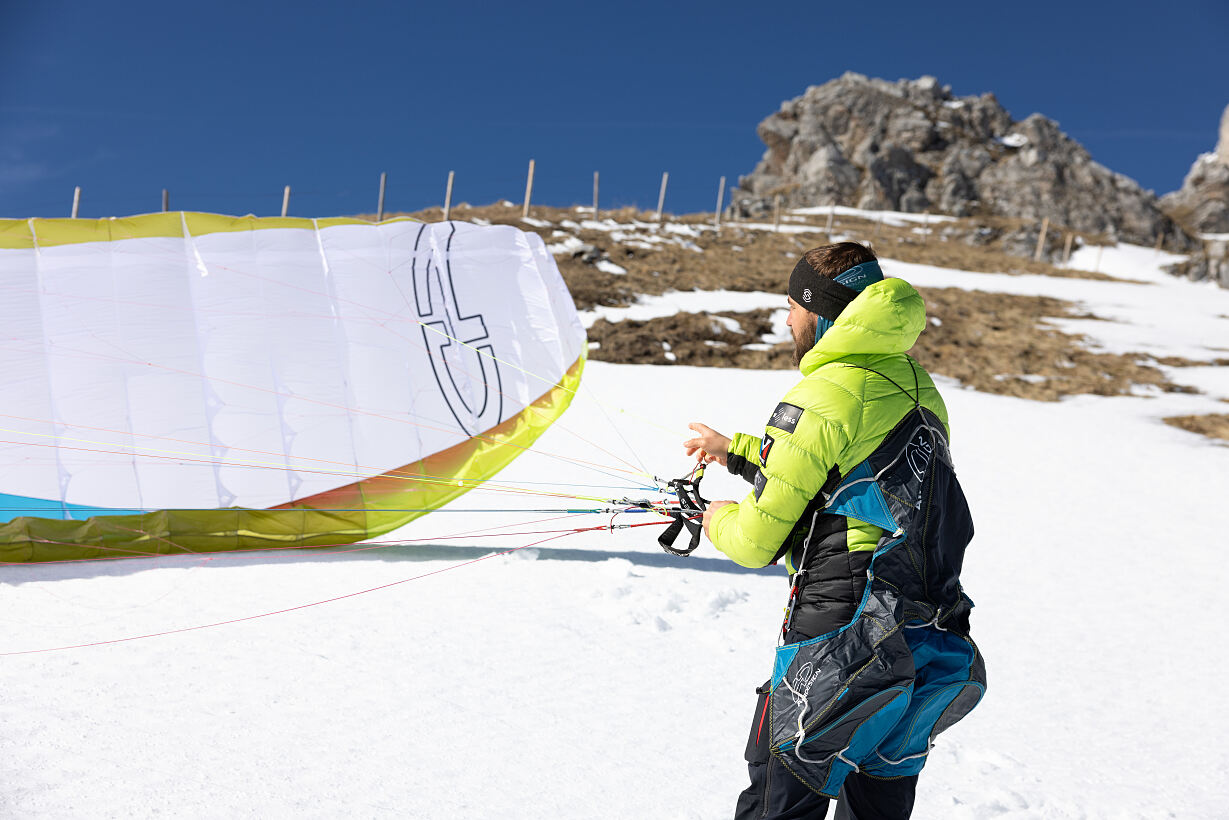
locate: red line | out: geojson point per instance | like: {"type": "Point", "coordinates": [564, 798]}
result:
{"type": "Point", "coordinates": [314, 603]}
{"type": "Point", "coordinates": [763, 713]}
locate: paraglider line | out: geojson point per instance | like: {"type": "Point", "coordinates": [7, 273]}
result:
{"type": "Point", "coordinates": [321, 602]}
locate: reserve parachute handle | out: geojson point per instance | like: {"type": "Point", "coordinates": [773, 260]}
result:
{"type": "Point", "coordinates": [690, 509]}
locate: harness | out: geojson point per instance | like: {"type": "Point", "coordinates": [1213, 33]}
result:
{"type": "Point", "coordinates": [691, 507]}
{"type": "Point", "coordinates": [872, 694]}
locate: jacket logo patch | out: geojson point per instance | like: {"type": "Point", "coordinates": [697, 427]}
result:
{"type": "Point", "coordinates": [785, 417]}
{"type": "Point", "coordinates": [765, 446]}
{"type": "Point", "coordinates": [760, 482]}
{"type": "Point", "coordinates": [918, 452]}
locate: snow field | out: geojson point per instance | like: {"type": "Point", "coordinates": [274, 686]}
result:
{"type": "Point", "coordinates": [593, 676]}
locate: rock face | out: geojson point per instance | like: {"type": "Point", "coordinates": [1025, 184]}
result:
{"type": "Point", "coordinates": [1202, 204]}
{"type": "Point", "coordinates": [912, 146]}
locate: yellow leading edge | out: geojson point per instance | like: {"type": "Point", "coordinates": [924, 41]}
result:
{"type": "Point", "coordinates": [182, 383]}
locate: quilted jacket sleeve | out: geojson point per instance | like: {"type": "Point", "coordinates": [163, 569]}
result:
{"type": "Point", "coordinates": [803, 440]}
{"type": "Point", "coordinates": [744, 456]}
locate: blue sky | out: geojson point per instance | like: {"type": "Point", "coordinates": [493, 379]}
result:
{"type": "Point", "coordinates": [224, 103]}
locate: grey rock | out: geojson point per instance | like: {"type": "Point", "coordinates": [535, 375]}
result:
{"type": "Point", "coordinates": [1211, 263]}
{"type": "Point", "coordinates": [1202, 203]}
{"type": "Point", "coordinates": [912, 146]}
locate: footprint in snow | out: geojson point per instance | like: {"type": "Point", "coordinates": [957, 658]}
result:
{"type": "Point", "coordinates": [725, 599]}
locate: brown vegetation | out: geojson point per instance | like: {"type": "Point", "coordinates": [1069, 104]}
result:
{"type": "Point", "coordinates": [994, 342]}
{"type": "Point", "coordinates": [1212, 425]}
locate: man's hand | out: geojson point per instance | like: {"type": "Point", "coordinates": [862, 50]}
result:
{"type": "Point", "coordinates": [709, 446]}
{"type": "Point", "coordinates": [713, 506]}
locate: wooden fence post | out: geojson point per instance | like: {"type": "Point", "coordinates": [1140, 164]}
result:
{"type": "Point", "coordinates": [717, 213]}
{"type": "Point", "coordinates": [776, 214]}
{"type": "Point", "coordinates": [380, 205]}
{"type": "Point", "coordinates": [831, 218]}
{"type": "Point", "coordinates": [1067, 247]}
{"type": "Point", "coordinates": [448, 197]}
{"type": "Point", "coordinates": [528, 191]}
{"type": "Point", "coordinates": [76, 200]}
{"type": "Point", "coordinates": [166, 200]}
{"type": "Point", "coordinates": [1041, 239]}
{"type": "Point", "coordinates": [1097, 267]}
{"type": "Point", "coordinates": [1160, 243]}
{"type": "Point", "coordinates": [661, 196]}
{"type": "Point", "coordinates": [595, 196]}
{"type": "Point", "coordinates": [285, 200]}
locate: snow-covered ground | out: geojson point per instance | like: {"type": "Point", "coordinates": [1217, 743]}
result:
{"type": "Point", "coordinates": [593, 676]}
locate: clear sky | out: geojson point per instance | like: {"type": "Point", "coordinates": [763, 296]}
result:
{"type": "Point", "coordinates": [225, 102]}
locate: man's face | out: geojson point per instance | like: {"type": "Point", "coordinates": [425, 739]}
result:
{"type": "Point", "coordinates": [801, 323]}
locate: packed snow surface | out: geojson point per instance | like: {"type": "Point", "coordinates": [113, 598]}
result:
{"type": "Point", "coordinates": [592, 676]}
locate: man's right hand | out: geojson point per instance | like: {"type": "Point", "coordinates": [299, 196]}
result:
{"type": "Point", "coordinates": [708, 445]}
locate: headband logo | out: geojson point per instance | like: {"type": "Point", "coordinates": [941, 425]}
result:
{"type": "Point", "coordinates": [806, 295]}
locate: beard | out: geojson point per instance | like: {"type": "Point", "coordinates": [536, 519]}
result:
{"type": "Point", "coordinates": [804, 338]}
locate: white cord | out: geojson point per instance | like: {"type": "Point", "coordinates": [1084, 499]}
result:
{"type": "Point", "coordinates": [906, 757]}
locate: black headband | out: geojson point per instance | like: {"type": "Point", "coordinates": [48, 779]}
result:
{"type": "Point", "coordinates": [818, 294]}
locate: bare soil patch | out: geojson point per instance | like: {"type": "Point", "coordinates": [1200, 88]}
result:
{"type": "Point", "coordinates": [993, 342]}
{"type": "Point", "coordinates": [1000, 343]}
{"type": "Point", "coordinates": [746, 259]}
{"type": "Point", "coordinates": [997, 343]}
{"type": "Point", "coordinates": [692, 339]}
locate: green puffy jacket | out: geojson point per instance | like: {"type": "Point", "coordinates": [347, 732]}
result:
{"type": "Point", "coordinates": [846, 411]}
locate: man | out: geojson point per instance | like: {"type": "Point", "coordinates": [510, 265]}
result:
{"type": "Point", "coordinates": [851, 328]}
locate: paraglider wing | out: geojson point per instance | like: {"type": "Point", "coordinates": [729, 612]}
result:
{"type": "Point", "coordinates": [193, 382]}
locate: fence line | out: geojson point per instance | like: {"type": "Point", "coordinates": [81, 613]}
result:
{"type": "Point", "coordinates": [1069, 236]}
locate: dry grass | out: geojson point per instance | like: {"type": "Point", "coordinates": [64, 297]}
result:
{"type": "Point", "coordinates": [1212, 425]}
{"type": "Point", "coordinates": [754, 259]}
{"type": "Point", "coordinates": [994, 342]}
{"type": "Point", "coordinates": [1001, 343]}
{"type": "Point", "coordinates": [693, 339]}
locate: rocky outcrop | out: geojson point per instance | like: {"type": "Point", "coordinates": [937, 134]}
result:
{"type": "Point", "coordinates": [912, 146]}
{"type": "Point", "coordinates": [1202, 204]}
{"type": "Point", "coordinates": [1210, 263]}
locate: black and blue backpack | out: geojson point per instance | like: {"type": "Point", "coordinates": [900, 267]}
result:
{"type": "Point", "coordinates": [872, 695]}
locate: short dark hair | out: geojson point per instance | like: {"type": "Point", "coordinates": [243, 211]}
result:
{"type": "Point", "coordinates": [833, 260]}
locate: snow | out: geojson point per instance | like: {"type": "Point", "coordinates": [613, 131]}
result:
{"type": "Point", "coordinates": [606, 266]}
{"type": "Point", "coordinates": [568, 245]}
{"type": "Point", "coordinates": [595, 676]}
{"type": "Point", "coordinates": [1151, 312]}
{"type": "Point", "coordinates": [1012, 140]}
{"type": "Point", "coordinates": [897, 218]}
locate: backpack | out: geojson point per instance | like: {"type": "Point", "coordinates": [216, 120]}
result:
{"type": "Point", "coordinates": [872, 695]}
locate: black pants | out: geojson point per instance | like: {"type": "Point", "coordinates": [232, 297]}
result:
{"type": "Point", "coordinates": [775, 794]}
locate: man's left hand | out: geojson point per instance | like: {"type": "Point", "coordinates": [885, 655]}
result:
{"type": "Point", "coordinates": [713, 506]}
